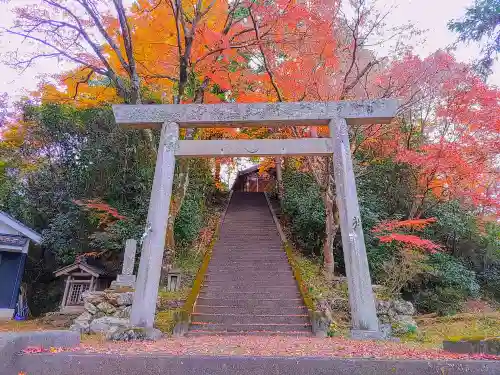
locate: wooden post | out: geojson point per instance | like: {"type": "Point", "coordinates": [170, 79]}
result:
{"type": "Point", "coordinates": [65, 295]}
{"type": "Point", "coordinates": [279, 177]}
{"type": "Point", "coordinates": [364, 316]}
{"type": "Point", "coordinates": [153, 241]}
{"type": "Point", "coordinates": [91, 286]}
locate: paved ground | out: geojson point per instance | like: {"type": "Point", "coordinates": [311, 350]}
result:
{"type": "Point", "coordinates": [153, 364]}
{"type": "Point", "coordinates": [271, 346]}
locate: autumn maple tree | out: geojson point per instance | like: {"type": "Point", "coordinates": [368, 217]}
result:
{"type": "Point", "coordinates": [174, 51]}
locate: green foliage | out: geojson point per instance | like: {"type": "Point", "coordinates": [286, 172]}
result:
{"type": "Point", "coordinates": [441, 300]}
{"type": "Point", "coordinates": [303, 204]}
{"type": "Point", "coordinates": [192, 215]}
{"type": "Point", "coordinates": [452, 273]}
{"type": "Point", "coordinates": [447, 286]}
{"type": "Point", "coordinates": [481, 24]}
{"type": "Point", "coordinates": [490, 280]}
{"type": "Point", "coordinates": [377, 257]}
{"type": "Point", "coordinates": [70, 154]}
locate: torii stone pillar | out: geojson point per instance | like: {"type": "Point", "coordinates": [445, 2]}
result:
{"type": "Point", "coordinates": [338, 115]}
{"type": "Point", "coordinates": [153, 240]}
{"type": "Point", "coordinates": [363, 312]}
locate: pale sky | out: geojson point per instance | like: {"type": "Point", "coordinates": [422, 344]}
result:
{"type": "Point", "coordinates": [431, 15]}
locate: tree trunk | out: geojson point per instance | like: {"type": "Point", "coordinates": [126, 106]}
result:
{"type": "Point", "coordinates": [331, 228]}
{"type": "Point", "coordinates": [217, 170]}
{"type": "Point", "coordinates": [279, 177]}
{"type": "Point", "coordinates": [178, 195]}
{"type": "Point", "coordinates": [180, 188]}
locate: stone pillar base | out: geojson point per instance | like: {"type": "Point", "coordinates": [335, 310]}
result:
{"type": "Point", "coordinates": [357, 334]}
{"type": "Point", "coordinates": [6, 314]}
{"type": "Point", "coordinates": [124, 281]}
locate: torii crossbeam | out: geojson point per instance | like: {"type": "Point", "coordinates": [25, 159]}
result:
{"type": "Point", "coordinates": [337, 115]}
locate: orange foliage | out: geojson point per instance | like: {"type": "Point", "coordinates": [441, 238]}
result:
{"type": "Point", "coordinates": [106, 214]}
{"type": "Point", "coordinates": [411, 224]}
{"type": "Point", "coordinates": [409, 241]}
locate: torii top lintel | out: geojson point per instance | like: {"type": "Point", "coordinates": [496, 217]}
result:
{"type": "Point", "coordinates": [360, 112]}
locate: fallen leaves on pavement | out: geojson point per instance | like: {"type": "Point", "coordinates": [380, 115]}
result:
{"type": "Point", "coordinates": [272, 346]}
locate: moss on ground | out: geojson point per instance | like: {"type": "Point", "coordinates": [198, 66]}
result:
{"type": "Point", "coordinates": [433, 331]}
{"type": "Point", "coordinates": [318, 286]}
{"type": "Point", "coordinates": [165, 320]}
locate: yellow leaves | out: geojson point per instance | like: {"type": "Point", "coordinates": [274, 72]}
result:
{"type": "Point", "coordinates": [266, 165]}
{"type": "Point", "coordinates": [79, 88]}
{"type": "Point", "coordinates": [13, 136]}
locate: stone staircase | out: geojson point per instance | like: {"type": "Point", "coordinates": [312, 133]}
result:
{"type": "Point", "coordinates": [249, 286]}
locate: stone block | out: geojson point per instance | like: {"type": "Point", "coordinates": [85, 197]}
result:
{"type": "Point", "coordinates": [463, 347]}
{"type": "Point", "coordinates": [94, 298]}
{"type": "Point", "coordinates": [106, 308]}
{"type": "Point", "coordinates": [474, 346]}
{"type": "Point", "coordinates": [120, 299]}
{"type": "Point", "coordinates": [90, 307]}
{"type": "Point", "coordinates": [125, 299]}
{"type": "Point", "coordinates": [128, 333]}
{"type": "Point", "coordinates": [492, 346]}
{"type": "Point", "coordinates": [403, 307]}
{"type": "Point", "coordinates": [104, 324]}
{"type": "Point", "coordinates": [6, 314]}
{"type": "Point", "coordinates": [320, 324]}
{"type": "Point", "coordinates": [123, 312]}
{"type": "Point", "coordinates": [80, 327]}
{"type": "Point", "coordinates": [383, 307]}
{"type": "Point", "coordinates": [126, 280]}
{"type": "Point", "coordinates": [357, 334]}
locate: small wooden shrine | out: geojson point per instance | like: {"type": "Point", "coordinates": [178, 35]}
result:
{"type": "Point", "coordinates": [250, 180]}
{"type": "Point", "coordinates": [81, 277]}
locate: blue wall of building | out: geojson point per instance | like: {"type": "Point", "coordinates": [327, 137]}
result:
{"type": "Point", "coordinates": [11, 274]}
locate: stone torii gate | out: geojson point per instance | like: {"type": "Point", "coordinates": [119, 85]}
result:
{"type": "Point", "coordinates": [337, 115]}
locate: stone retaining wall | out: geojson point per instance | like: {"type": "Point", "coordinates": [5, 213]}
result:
{"type": "Point", "coordinates": [108, 313]}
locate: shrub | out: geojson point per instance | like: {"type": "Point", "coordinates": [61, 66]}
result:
{"type": "Point", "coordinates": [446, 286]}
{"type": "Point", "coordinates": [442, 300]}
{"type": "Point", "coordinates": [450, 272]}
{"type": "Point", "coordinates": [490, 280]}
{"type": "Point", "coordinates": [192, 215]}
{"type": "Point", "coordinates": [303, 204]}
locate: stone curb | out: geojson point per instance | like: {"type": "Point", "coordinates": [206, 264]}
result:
{"type": "Point", "coordinates": [12, 343]}
{"type": "Point", "coordinates": [94, 364]}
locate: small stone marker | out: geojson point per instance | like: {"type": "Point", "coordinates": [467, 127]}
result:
{"type": "Point", "coordinates": [127, 278]}
{"type": "Point", "coordinates": [173, 280]}
{"type": "Point", "coordinates": [486, 345]}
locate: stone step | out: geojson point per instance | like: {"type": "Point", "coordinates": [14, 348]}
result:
{"type": "Point", "coordinates": [256, 244]}
{"type": "Point", "coordinates": [249, 257]}
{"type": "Point", "coordinates": [249, 303]}
{"type": "Point", "coordinates": [258, 284]}
{"type": "Point", "coordinates": [277, 308]}
{"type": "Point", "coordinates": [249, 287]}
{"type": "Point", "coordinates": [246, 288]}
{"type": "Point", "coordinates": [253, 295]}
{"type": "Point", "coordinates": [201, 332]}
{"type": "Point", "coordinates": [225, 251]}
{"type": "Point", "coordinates": [239, 269]}
{"type": "Point", "coordinates": [250, 318]}
{"type": "Point", "coordinates": [243, 328]}
{"type": "Point", "coordinates": [270, 264]}
{"type": "Point", "coordinates": [250, 277]}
